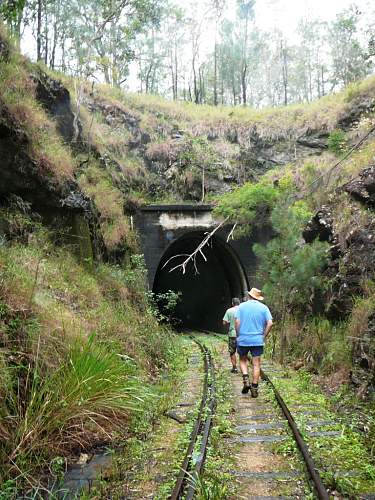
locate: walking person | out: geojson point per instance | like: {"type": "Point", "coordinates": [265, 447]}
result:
{"type": "Point", "coordinates": [229, 321]}
{"type": "Point", "coordinates": [253, 324]}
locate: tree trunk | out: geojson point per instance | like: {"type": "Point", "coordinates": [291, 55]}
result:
{"type": "Point", "coordinates": [215, 74]}
{"type": "Point", "coordinates": [45, 33]}
{"type": "Point", "coordinates": [147, 79]}
{"type": "Point", "coordinates": [284, 64]}
{"type": "Point", "coordinates": [55, 34]}
{"type": "Point", "coordinates": [243, 84]}
{"type": "Point", "coordinates": [283, 334]}
{"type": "Point", "coordinates": [175, 72]}
{"type": "Point", "coordinates": [195, 84]}
{"type": "Point", "coordinates": [203, 185]}
{"type": "Point", "coordinates": [202, 92]}
{"type": "Point", "coordinates": [39, 31]}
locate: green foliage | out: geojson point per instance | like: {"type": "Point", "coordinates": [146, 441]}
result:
{"type": "Point", "coordinates": [248, 204]}
{"type": "Point", "coordinates": [210, 490]}
{"type": "Point", "coordinates": [289, 269]}
{"type": "Point", "coordinates": [11, 9]}
{"type": "Point", "coordinates": [337, 141]}
{"type": "Point", "coordinates": [162, 305]}
{"type": "Point", "coordinates": [61, 384]}
{"type": "Point", "coordinates": [91, 386]}
{"type": "Point", "coordinates": [334, 455]}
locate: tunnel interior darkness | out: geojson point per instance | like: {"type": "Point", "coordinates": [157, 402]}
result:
{"type": "Point", "coordinates": [204, 296]}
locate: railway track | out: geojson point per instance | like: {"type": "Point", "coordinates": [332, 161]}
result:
{"type": "Point", "coordinates": [186, 484]}
{"type": "Point", "coordinates": [313, 474]}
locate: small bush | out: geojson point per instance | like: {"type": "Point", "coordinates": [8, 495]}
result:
{"type": "Point", "coordinates": [337, 142]}
{"type": "Point", "coordinates": [248, 204]}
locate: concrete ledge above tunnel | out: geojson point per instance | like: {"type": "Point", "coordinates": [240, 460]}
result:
{"type": "Point", "coordinates": [206, 294]}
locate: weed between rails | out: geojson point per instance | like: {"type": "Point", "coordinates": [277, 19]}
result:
{"type": "Point", "coordinates": [149, 460]}
{"type": "Point", "coordinates": [216, 483]}
{"type": "Point", "coordinates": [343, 460]}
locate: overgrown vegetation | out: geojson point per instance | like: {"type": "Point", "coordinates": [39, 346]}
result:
{"type": "Point", "coordinates": [79, 347]}
{"type": "Point", "coordinates": [344, 460]}
{"type": "Point", "coordinates": [20, 110]}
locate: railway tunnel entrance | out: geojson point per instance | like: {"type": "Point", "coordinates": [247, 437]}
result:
{"type": "Point", "coordinates": [206, 291]}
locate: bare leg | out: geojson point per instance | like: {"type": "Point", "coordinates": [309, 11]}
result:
{"type": "Point", "coordinates": [244, 362]}
{"type": "Point", "coordinates": [256, 369]}
{"type": "Point", "coordinates": [233, 359]}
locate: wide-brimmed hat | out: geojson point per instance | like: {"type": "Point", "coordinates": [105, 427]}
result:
{"type": "Point", "coordinates": [256, 294]}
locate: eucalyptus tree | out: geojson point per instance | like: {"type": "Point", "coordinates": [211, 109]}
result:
{"type": "Point", "coordinates": [348, 55]}
{"type": "Point", "coordinates": [313, 57]}
{"type": "Point", "coordinates": [104, 31]}
{"type": "Point", "coordinates": [245, 14]}
{"type": "Point", "coordinates": [217, 7]}
{"type": "Point", "coordinates": [229, 64]}
{"type": "Point", "coordinates": [12, 12]}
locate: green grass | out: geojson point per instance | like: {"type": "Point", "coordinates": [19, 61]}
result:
{"type": "Point", "coordinates": [97, 184]}
{"type": "Point", "coordinates": [271, 122]}
{"type": "Point", "coordinates": [344, 461]}
{"type": "Point", "coordinates": [91, 389]}
{"type": "Point", "coordinates": [80, 353]}
{"type": "Point", "coordinates": [20, 107]}
{"type": "Point", "coordinates": [216, 481]}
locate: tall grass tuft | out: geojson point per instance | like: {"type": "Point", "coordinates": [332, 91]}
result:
{"type": "Point", "coordinates": [92, 391]}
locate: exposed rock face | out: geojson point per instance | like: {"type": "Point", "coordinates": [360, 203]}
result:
{"type": "Point", "coordinates": [357, 263]}
{"type": "Point", "coordinates": [352, 264]}
{"type": "Point", "coordinates": [19, 173]}
{"type": "Point", "coordinates": [22, 176]}
{"type": "Point", "coordinates": [238, 154]}
{"type": "Point", "coordinates": [314, 140]}
{"type": "Point", "coordinates": [56, 99]}
{"type": "Point", "coordinates": [358, 107]}
{"type": "Point", "coordinates": [320, 227]}
{"type": "Point", "coordinates": [363, 188]}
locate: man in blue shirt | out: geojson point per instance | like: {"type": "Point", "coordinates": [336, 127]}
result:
{"type": "Point", "coordinates": [253, 324]}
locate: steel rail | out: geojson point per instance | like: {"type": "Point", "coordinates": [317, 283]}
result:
{"type": "Point", "coordinates": [314, 475]}
{"type": "Point", "coordinates": [315, 478]}
{"type": "Point", "coordinates": [189, 472]}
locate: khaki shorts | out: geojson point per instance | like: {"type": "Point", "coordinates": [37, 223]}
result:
{"type": "Point", "coordinates": [232, 345]}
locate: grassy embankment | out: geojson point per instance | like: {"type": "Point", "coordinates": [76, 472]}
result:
{"type": "Point", "coordinates": [55, 161]}
{"type": "Point", "coordinates": [81, 351]}
{"type": "Point", "coordinates": [216, 139]}
{"type": "Point", "coordinates": [81, 356]}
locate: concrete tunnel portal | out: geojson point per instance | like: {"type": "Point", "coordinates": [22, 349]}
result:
{"type": "Point", "coordinates": [207, 293]}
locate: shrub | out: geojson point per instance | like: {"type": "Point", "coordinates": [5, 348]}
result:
{"type": "Point", "coordinates": [337, 142]}
{"type": "Point", "coordinates": [290, 270]}
{"type": "Point", "coordinates": [248, 204]}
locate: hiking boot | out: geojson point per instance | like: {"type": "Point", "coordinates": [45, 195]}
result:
{"type": "Point", "coordinates": [234, 370]}
{"type": "Point", "coordinates": [246, 384]}
{"type": "Point", "coordinates": [254, 391]}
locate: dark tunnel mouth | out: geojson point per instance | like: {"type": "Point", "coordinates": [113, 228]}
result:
{"type": "Point", "coordinates": [205, 296]}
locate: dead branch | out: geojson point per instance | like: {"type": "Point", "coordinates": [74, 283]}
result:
{"type": "Point", "coordinates": [192, 257]}
{"type": "Point", "coordinates": [231, 232]}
